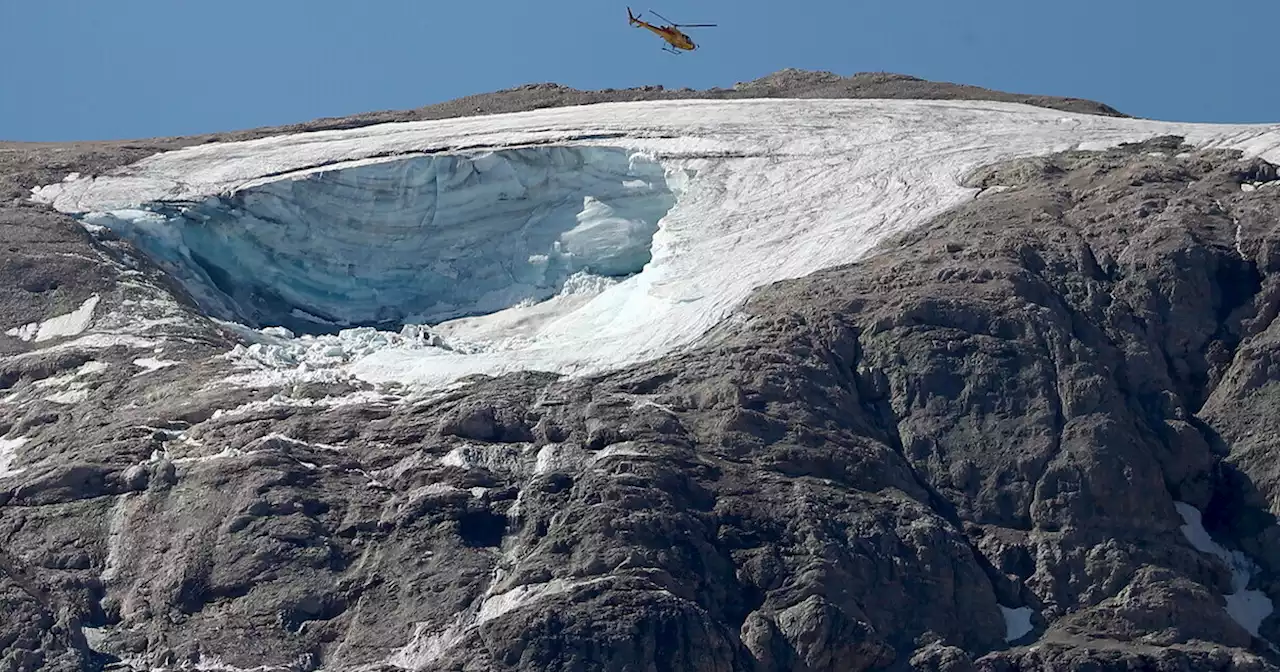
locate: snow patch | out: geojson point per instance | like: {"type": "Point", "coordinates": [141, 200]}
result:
{"type": "Point", "coordinates": [69, 397]}
{"type": "Point", "coordinates": [522, 460]}
{"type": "Point", "coordinates": [429, 644]}
{"type": "Point", "coordinates": [226, 453]}
{"type": "Point", "coordinates": [94, 637]}
{"type": "Point", "coordinates": [88, 368]}
{"type": "Point", "coordinates": [523, 595]}
{"type": "Point", "coordinates": [1239, 238]}
{"type": "Point", "coordinates": [217, 664]}
{"type": "Point", "coordinates": [546, 460]}
{"type": "Point", "coordinates": [285, 438]}
{"type": "Point", "coordinates": [149, 364]}
{"type": "Point", "coordinates": [67, 324]}
{"type": "Point", "coordinates": [104, 342]}
{"type": "Point", "coordinates": [1017, 622]}
{"type": "Point", "coordinates": [9, 453]}
{"type": "Point", "coordinates": [116, 528]}
{"type": "Point", "coordinates": [70, 388]}
{"type": "Point", "coordinates": [253, 447]}
{"type": "Point", "coordinates": [501, 458]}
{"type": "Point", "coordinates": [993, 189]}
{"type": "Point", "coordinates": [1247, 607]}
{"type": "Point", "coordinates": [621, 449]}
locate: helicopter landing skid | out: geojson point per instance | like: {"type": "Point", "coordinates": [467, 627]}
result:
{"type": "Point", "coordinates": [671, 51]}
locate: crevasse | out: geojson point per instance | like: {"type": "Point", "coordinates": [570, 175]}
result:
{"type": "Point", "coordinates": [414, 240]}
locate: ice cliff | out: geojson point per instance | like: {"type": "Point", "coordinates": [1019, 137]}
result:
{"type": "Point", "coordinates": [422, 239]}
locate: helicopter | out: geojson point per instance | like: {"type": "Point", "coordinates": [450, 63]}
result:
{"type": "Point", "coordinates": [671, 32]}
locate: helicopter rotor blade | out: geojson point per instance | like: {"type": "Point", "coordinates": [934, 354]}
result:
{"type": "Point", "coordinates": [682, 25]}
{"type": "Point", "coordinates": [662, 17]}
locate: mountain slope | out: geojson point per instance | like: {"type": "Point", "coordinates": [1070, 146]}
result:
{"type": "Point", "coordinates": [978, 432]}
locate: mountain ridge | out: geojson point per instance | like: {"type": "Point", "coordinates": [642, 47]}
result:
{"type": "Point", "coordinates": [788, 82]}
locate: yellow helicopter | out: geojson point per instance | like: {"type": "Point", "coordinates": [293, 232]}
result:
{"type": "Point", "coordinates": [669, 32]}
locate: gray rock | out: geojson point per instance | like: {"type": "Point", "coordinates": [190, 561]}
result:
{"type": "Point", "coordinates": [941, 658]}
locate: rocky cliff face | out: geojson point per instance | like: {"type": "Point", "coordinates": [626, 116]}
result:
{"type": "Point", "coordinates": [981, 449]}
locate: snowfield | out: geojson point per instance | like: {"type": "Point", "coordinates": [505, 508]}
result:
{"type": "Point", "coordinates": [575, 240]}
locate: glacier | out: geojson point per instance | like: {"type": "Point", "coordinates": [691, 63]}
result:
{"type": "Point", "coordinates": [574, 240]}
{"type": "Point", "coordinates": [418, 240]}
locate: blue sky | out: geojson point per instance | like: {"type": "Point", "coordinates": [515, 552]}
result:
{"type": "Point", "coordinates": [96, 69]}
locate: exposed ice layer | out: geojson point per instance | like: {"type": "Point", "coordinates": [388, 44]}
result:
{"type": "Point", "coordinates": [1247, 607]}
{"type": "Point", "coordinates": [420, 239]}
{"type": "Point", "coordinates": [783, 188]}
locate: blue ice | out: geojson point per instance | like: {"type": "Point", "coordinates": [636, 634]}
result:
{"type": "Point", "coordinates": [422, 239]}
